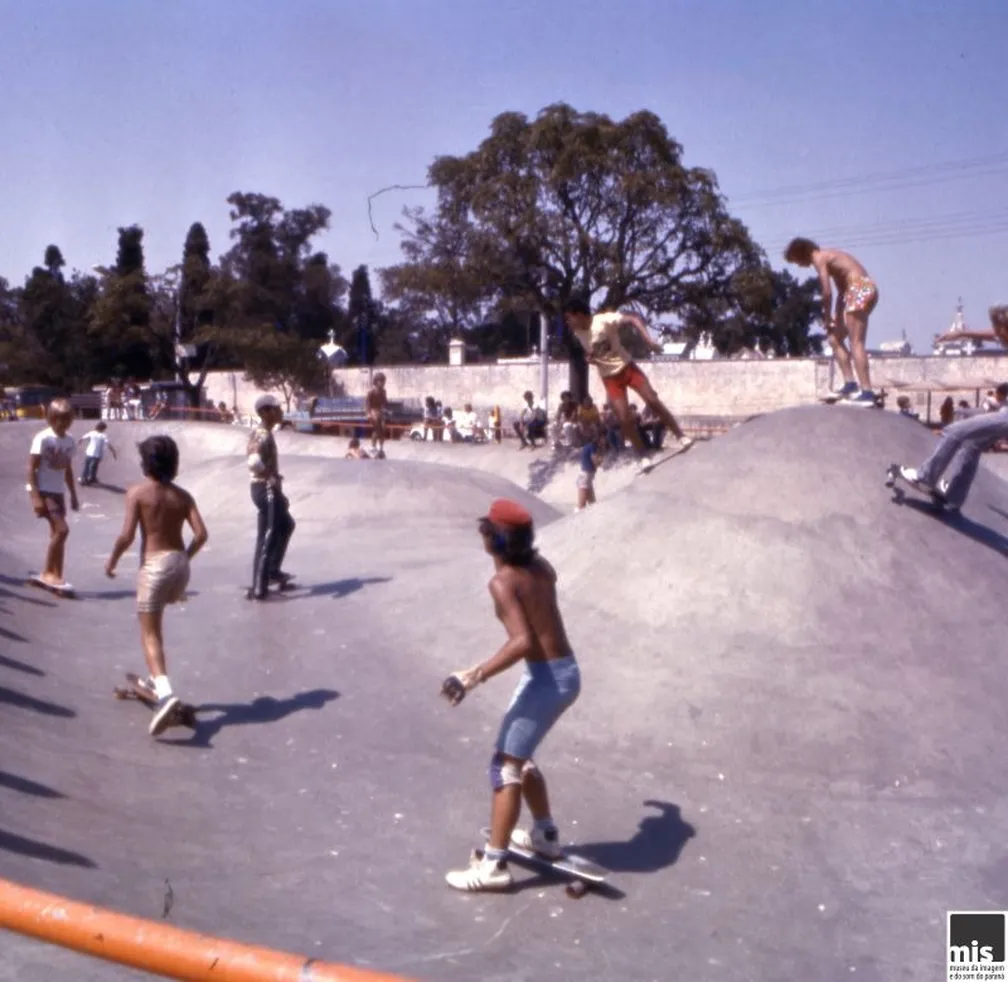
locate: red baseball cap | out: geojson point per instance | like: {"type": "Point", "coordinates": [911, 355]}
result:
{"type": "Point", "coordinates": [505, 513]}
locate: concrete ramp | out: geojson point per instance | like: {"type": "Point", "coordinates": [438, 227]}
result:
{"type": "Point", "coordinates": [789, 748]}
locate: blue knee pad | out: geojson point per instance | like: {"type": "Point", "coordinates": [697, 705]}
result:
{"type": "Point", "coordinates": [504, 771]}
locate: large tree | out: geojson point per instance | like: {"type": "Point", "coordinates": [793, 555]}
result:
{"type": "Point", "coordinates": [574, 203]}
{"type": "Point", "coordinates": [283, 297]}
{"type": "Point", "coordinates": [48, 343]}
{"type": "Point", "coordinates": [121, 327]}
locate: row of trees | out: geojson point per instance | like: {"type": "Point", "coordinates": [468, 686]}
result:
{"type": "Point", "coordinates": [568, 203]}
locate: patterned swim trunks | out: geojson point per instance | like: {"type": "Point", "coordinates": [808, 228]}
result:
{"type": "Point", "coordinates": [861, 296]}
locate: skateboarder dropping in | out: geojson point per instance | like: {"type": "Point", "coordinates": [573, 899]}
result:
{"type": "Point", "coordinates": [857, 296]}
{"type": "Point", "coordinates": [523, 589]}
{"type": "Point", "coordinates": [50, 478]}
{"type": "Point", "coordinates": [599, 336]}
{"type": "Point", "coordinates": [960, 447]}
{"type": "Point", "coordinates": [275, 525]}
{"type": "Point", "coordinates": [160, 508]}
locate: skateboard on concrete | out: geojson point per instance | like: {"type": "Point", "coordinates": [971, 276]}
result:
{"type": "Point", "coordinates": [664, 455]}
{"type": "Point", "coordinates": [834, 399]}
{"type": "Point", "coordinates": [66, 590]}
{"type": "Point", "coordinates": [286, 584]}
{"type": "Point", "coordinates": [136, 688]}
{"type": "Point", "coordinates": [581, 871]}
{"type": "Point", "coordinates": [893, 476]}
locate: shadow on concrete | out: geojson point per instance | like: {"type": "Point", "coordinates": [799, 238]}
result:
{"type": "Point", "coordinates": [20, 701]}
{"type": "Point", "coordinates": [24, 598]}
{"type": "Point", "coordinates": [114, 488]}
{"type": "Point", "coordinates": [972, 530]}
{"type": "Point", "coordinates": [265, 709]}
{"type": "Point", "coordinates": [20, 666]}
{"type": "Point", "coordinates": [41, 850]}
{"type": "Point", "coordinates": [26, 786]}
{"type": "Point", "coordinates": [8, 635]}
{"type": "Point", "coordinates": [119, 594]}
{"type": "Point", "coordinates": [655, 845]}
{"type": "Point", "coordinates": [542, 471]}
{"type": "Point", "coordinates": [338, 589]}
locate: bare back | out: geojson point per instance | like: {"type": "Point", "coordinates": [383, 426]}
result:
{"type": "Point", "coordinates": [841, 266]}
{"type": "Point", "coordinates": [533, 587]}
{"type": "Point", "coordinates": [163, 510]}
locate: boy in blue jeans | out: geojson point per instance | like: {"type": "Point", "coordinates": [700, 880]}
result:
{"type": "Point", "coordinates": [523, 588]}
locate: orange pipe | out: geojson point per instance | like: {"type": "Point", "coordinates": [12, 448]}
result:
{"type": "Point", "coordinates": [160, 948]}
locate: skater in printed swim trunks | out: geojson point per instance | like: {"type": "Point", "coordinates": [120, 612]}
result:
{"type": "Point", "coordinates": [857, 296]}
{"type": "Point", "coordinates": [161, 509]}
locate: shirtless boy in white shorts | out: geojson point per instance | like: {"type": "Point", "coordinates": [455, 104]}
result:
{"type": "Point", "coordinates": [160, 508]}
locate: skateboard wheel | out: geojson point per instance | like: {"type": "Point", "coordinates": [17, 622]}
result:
{"type": "Point", "coordinates": [576, 890]}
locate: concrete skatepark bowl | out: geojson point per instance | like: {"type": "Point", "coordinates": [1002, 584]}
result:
{"type": "Point", "coordinates": [789, 749]}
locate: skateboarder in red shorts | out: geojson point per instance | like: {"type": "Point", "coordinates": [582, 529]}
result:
{"type": "Point", "coordinates": [599, 336]}
{"type": "Point", "coordinates": [523, 588]}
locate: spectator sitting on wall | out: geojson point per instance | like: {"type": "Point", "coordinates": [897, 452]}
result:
{"type": "Point", "coordinates": [652, 429]}
{"type": "Point", "coordinates": [990, 403]}
{"type": "Point", "coordinates": [531, 424]}
{"type": "Point", "coordinates": [903, 402]}
{"type": "Point", "coordinates": [223, 413]}
{"type": "Point", "coordinates": [495, 424]}
{"type": "Point", "coordinates": [450, 425]}
{"type": "Point", "coordinates": [469, 428]}
{"type": "Point", "coordinates": [355, 451]}
{"type": "Point", "coordinates": [565, 422]}
{"type": "Point", "coordinates": [612, 428]}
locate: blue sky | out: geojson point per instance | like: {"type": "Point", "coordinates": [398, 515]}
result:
{"type": "Point", "coordinates": [123, 111]}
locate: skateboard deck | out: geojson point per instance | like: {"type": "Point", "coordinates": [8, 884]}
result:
{"type": "Point", "coordinates": [664, 455]}
{"type": "Point", "coordinates": [833, 399]}
{"type": "Point", "coordinates": [583, 872]}
{"type": "Point", "coordinates": [286, 585]}
{"type": "Point", "coordinates": [893, 477]}
{"type": "Point", "coordinates": [67, 590]}
{"type": "Point", "coordinates": [135, 688]}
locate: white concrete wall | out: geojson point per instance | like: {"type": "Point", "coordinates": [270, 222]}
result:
{"type": "Point", "coordinates": [718, 388]}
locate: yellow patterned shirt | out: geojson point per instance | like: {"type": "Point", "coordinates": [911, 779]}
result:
{"type": "Point", "coordinates": [602, 342]}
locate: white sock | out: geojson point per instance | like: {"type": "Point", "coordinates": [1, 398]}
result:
{"type": "Point", "coordinates": [162, 687]}
{"type": "Point", "coordinates": [545, 824]}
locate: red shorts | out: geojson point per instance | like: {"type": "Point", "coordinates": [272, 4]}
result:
{"type": "Point", "coordinates": [629, 377]}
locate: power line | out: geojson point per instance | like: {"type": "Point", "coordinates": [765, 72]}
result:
{"type": "Point", "coordinates": [908, 177]}
{"type": "Point", "coordinates": [899, 238]}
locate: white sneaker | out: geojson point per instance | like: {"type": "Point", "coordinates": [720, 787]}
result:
{"type": "Point", "coordinates": [644, 465]}
{"type": "Point", "coordinates": [543, 843]}
{"type": "Point", "coordinates": [481, 874]}
{"type": "Point", "coordinates": [164, 715]}
{"type": "Point", "coordinates": [686, 442]}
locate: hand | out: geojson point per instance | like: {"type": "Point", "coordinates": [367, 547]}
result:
{"type": "Point", "coordinates": [38, 505]}
{"type": "Point", "coordinates": [110, 568]}
{"type": "Point", "coordinates": [657, 348]}
{"type": "Point", "coordinates": [74, 503]}
{"type": "Point", "coordinates": [459, 683]}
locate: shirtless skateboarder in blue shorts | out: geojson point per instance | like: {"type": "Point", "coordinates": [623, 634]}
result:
{"type": "Point", "coordinates": [523, 588]}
